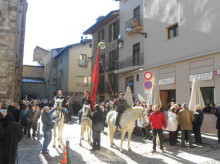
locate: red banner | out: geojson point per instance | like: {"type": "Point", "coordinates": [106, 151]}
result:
{"type": "Point", "coordinates": [95, 79]}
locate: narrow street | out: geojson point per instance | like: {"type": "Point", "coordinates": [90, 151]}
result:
{"type": "Point", "coordinates": [29, 151]}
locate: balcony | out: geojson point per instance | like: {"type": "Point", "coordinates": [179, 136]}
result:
{"type": "Point", "coordinates": [131, 62]}
{"type": "Point", "coordinates": [135, 23]}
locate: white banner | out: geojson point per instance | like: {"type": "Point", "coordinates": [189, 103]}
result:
{"type": "Point", "coordinates": [170, 80]}
{"type": "Point", "coordinates": [201, 77]}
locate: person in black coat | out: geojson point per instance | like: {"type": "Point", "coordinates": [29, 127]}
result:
{"type": "Point", "coordinates": [13, 135]}
{"type": "Point", "coordinates": [217, 114]}
{"type": "Point", "coordinates": [2, 132]}
{"type": "Point", "coordinates": [197, 124]}
{"type": "Point", "coordinates": [97, 126]}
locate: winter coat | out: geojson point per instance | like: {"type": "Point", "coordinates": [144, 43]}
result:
{"type": "Point", "coordinates": [48, 124]}
{"type": "Point", "coordinates": [97, 120]}
{"type": "Point", "coordinates": [157, 120]}
{"type": "Point", "coordinates": [33, 116]}
{"type": "Point", "coordinates": [172, 123]}
{"type": "Point", "coordinates": [2, 132]}
{"type": "Point", "coordinates": [198, 117]}
{"type": "Point", "coordinates": [13, 135]}
{"type": "Point", "coordinates": [16, 114]}
{"type": "Point", "coordinates": [185, 119]}
{"type": "Point", "coordinates": [85, 100]}
{"type": "Point", "coordinates": [121, 105]}
{"type": "Point", "coordinates": [217, 114]}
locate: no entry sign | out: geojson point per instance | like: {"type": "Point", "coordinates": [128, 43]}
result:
{"type": "Point", "coordinates": [148, 84]}
{"type": "Point", "coordinates": [148, 75]}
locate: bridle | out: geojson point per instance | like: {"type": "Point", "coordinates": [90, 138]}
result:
{"type": "Point", "coordinates": [142, 115]}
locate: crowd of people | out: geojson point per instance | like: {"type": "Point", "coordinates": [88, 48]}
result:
{"type": "Point", "coordinates": [18, 120]}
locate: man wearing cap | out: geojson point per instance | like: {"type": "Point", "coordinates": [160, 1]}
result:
{"type": "Point", "coordinates": [33, 115]}
{"type": "Point", "coordinates": [85, 100]}
{"type": "Point", "coordinates": [120, 104]}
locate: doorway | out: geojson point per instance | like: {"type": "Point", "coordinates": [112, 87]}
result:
{"type": "Point", "coordinates": [167, 97]}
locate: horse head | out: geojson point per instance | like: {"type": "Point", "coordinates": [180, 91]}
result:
{"type": "Point", "coordinates": [58, 104]}
{"type": "Point", "coordinates": [86, 109]}
{"type": "Point", "coordinates": [143, 117]}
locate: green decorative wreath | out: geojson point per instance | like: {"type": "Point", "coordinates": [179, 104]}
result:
{"type": "Point", "coordinates": [101, 45]}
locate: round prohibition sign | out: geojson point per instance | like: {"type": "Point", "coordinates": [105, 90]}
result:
{"type": "Point", "coordinates": [148, 85]}
{"type": "Point", "coordinates": [148, 75]}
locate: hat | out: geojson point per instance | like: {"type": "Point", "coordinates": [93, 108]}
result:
{"type": "Point", "coordinates": [121, 93]}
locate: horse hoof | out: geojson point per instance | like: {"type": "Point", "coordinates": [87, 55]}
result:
{"type": "Point", "coordinates": [111, 146]}
{"type": "Point", "coordinates": [121, 150]}
{"type": "Point", "coordinates": [80, 144]}
{"type": "Point", "coordinates": [59, 146]}
{"type": "Point", "coordinates": [129, 149]}
{"type": "Point", "coordinates": [54, 146]}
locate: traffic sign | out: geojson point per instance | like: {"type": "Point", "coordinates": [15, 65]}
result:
{"type": "Point", "coordinates": [148, 84]}
{"type": "Point", "coordinates": [148, 75]}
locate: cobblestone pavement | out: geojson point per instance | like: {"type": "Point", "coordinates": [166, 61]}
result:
{"type": "Point", "coordinates": [29, 150]}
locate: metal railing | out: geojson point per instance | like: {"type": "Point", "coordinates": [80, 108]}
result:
{"type": "Point", "coordinates": [135, 22]}
{"type": "Point", "coordinates": [131, 61]}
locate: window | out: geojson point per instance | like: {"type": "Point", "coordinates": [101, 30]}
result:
{"type": "Point", "coordinates": [102, 63]}
{"type": "Point", "coordinates": [101, 35]}
{"type": "Point", "coordinates": [173, 31]}
{"type": "Point", "coordinates": [137, 14]}
{"type": "Point", "coordinates": [101, 84]}
{"type": "Point", "coordinates": [136, 54]}
{"type": "Point", "coordinates": [112, 81]}
{"type": "Point", "coordinates": [113, 57]}
{"type": "Point", "coordinates": [83, 60]}
{"type": "Point", "coordinates": [90, 45]}
{"type": "Point", "coordinates": [137, 77]}
{"type": "Point", "coordinates": [130, 82]}
{"type": "Point", "coordinates": [113, 31]}
{"type": "Point", "coordinates": [61, 61]}
{"type": "Point", "coordinates": [208, 95]}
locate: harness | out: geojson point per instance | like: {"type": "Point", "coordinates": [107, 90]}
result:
{"type": "Point", "coordinates": [142, 114]}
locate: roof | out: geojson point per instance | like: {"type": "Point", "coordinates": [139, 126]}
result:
{"type": "Point", "coordinates": [33, 80]}
{"type": "Point", "coordinates": [41, 49]}
{"type": "Point", "coordinates": [71, 45]}
{"type": "Point", "coordinates": [100, 23]}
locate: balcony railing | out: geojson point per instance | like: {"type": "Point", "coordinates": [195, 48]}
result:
{"type": "Point", "coordinates": [135, 24]}
{"type": "Point", "coordinates": [135, 60]}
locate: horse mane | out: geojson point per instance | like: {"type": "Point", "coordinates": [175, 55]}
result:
{"type": "Point", "coordinates": [133, 108]}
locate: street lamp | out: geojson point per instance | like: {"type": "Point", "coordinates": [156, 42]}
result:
{"type": "Point", "coordinates": [129, 30]}
{"type": "Point", "coordinates": [120, 42]}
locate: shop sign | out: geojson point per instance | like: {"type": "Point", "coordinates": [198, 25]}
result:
{"type": "Point", "coordinates": [201, 77]}
{"type": "Point", "coordinates": [167, 81]}
{"type": "Point", "coordinates": [3, 92]}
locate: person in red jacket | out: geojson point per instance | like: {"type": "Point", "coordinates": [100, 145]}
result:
{"type": "Point", "coordinates": [158, 124]}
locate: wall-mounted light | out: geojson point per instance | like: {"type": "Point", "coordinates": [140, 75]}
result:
{"type": "Point", "coordinates": [129, 30]}
{"type": "Point", "coordinates": [120, 42]}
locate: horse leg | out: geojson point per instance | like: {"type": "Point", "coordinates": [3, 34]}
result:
{"type": "Point", "coordinates": [122, 139]}
{"type": "Point", "coordinates": [54, 134]}
{"type": "Point", "coordinates": [90, 136]}
{"type": "Point", "coordinates": [129, 140]}
{"type": "Point", "coordinates": [112, 132]}
{"type": "Point", "coordinates": [81, 135]}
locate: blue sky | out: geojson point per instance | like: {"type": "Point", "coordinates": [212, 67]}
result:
{"type": "Point", "coordinates": [57, 23]}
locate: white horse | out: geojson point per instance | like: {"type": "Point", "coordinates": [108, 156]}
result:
{"type": "Point", "coordinates": [59, 121]}
{"type": "Point", "coordinates": [127, 123]}
{"type": "Point", "coordinates": [86, 124]}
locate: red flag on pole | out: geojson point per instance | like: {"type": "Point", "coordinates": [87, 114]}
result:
{"type": "Point", "coordinates": [95, 79]}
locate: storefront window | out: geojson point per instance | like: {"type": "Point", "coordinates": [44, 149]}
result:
{"type": "Point", "coordinates": [208, 95]}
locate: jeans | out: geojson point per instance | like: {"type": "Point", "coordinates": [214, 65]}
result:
{"type": "Point", "coordinates": [96, 136]}
{"type": "Point", "coordinates": [160, 134]}
{"type": "Point", "coordinates": [183, 135]}
{"type": "Point", "coordinates": [47, 139]}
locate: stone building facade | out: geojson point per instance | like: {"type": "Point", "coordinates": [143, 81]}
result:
{"type": "Point", "coordinates": [12, 33]}
{"type": "Point", "coordinates": [106, 30]}
{"type": "Point", "coordinates": [33, 84]}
